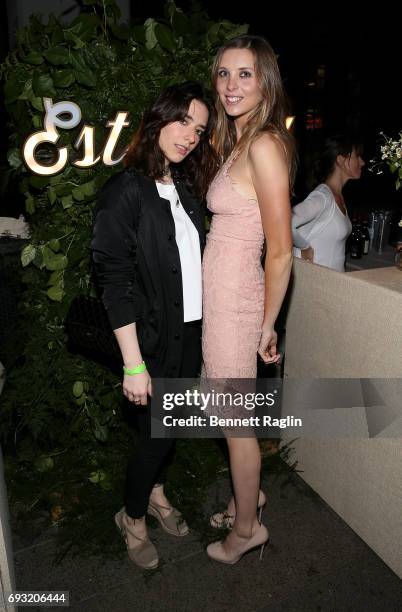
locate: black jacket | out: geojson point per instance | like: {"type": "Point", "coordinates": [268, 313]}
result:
{"type": "Point", "coordinates": [137, 264]}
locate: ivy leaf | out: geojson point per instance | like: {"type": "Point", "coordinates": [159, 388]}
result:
{"type": "Point", "coordinates": [27, 91]}
{"type": "Point", "coordinates": [55, 180]}
{"type": "Point", "coordinates": [57, 37]}
{"type": "Point", "coordinates": [38, 261]}
{"type": "Point", "coordinates": [78, 194]}
{"type": "Point", "coordinates": [67, 202]}
{"type": "Point", "coordinates": [54, 261]}
{"type": "Point", "coordinates": [85, 77]}
{"type": "Point", "coordinates": [78, 42]}
{"type": "Point", "coordinates": [106, 484]}
{"type": "Point", "coordinates": [165, 37]}
{"type": "Point", "coordinates": [100, 432]}
{"type": "Point", "coordinates": [51, 194]}
{"type": "Point", "coordinates": [12, 89]}
{"type": "Point", "coordinates": [62, 189]}
{"type": "Point", "coordinates": [97, 477]}
{"type": "Point", "coordinates": [88, 189]}
{"type": "Point", "coordinates": [84, 26]}
{"type": "Point", "coordinates": [232, 31]}
{"type": "Point", "coordinates": [56, 292]}
{"type": "Point", "coordinates": [150, 38]}
{"type": "Point", "coordinates": [27, 255]}
{"type": "Point", "coordinates": [78, 388]}
{"type": "Point", "coordinates": [36, 102]}
{"type": "Point", "coordinates": [14, 158]}
{"type": "Point", "coordinates": [37, 121]}
{"type": "Point", "coordinates": [54, 244]}
{"type": "Point", "coordinates": [57, 56]}
{"type": "Point", "coordinates": [55, 277]}
{"type": "Point", "coordinates": [39, 182]}
{"type": "Point", "coordinates": [92, 410]}
{"type": "Point", "coordinates": [42, 85]}
{"type": "Point", "coordinates": [30, 205]}
{"type": "Point", "coordinates": [34, 58]}
{"type": "Point", "coordinates": [212, 34]}
{"type": "Point", "coordinates": [77, 61]}
{"type": "Point", "coordinates": [44, 464]}
{"type": "Point", "coordinates": [63, 78]}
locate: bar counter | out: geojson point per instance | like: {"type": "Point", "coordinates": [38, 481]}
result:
{"type": "Point", "coordinates": [350, 326]}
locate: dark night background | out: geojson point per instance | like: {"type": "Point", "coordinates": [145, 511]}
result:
{"type": "Point", "coordinates": [339, 63]}
{"type": "Point", "coordinates": [340, 66]}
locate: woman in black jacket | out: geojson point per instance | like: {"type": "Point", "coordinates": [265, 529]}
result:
{"type": "Point", "coordinates": [147, 245]}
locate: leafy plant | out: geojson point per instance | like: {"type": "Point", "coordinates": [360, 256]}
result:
{"type": "Point", "coordinates": [391, 156]}
{"type": "Point", "coordinates": [60, 411]}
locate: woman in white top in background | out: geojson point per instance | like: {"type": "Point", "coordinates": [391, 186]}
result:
{"type": "Point", "coordinates": [320, 224]}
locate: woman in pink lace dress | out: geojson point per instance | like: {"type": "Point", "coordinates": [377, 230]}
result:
{"type": "Point", "coordinates": [250, 201]}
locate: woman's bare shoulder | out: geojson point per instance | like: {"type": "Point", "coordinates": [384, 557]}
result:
{"type": "Point", "coordinates": [265, 144]}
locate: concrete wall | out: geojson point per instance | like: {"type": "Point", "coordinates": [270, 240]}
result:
{"type": "Point", "coordinates": [350, 326]}
{"type": "Point", "coordinates": [7, 581]}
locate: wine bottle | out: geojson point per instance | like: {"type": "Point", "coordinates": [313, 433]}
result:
{"type": "Point", "coordinates": [356, 243]}
{"type": "Point", "coordinates": [366, 238]}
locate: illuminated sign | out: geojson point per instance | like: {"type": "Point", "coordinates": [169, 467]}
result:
{"type": "Point", "coordinates": [67, 115]}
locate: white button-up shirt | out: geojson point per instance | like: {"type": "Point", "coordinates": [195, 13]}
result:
{"type": "Point", "coordinates": [188, 243]}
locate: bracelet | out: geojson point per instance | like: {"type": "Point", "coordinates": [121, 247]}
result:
{"type": "Point", "coordinates": [137, 370]}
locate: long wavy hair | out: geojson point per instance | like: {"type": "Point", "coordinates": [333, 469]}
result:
{"type": "Point", "coordinates": [144, 153]}
{"type": "Point", "coordinates": [269, 115]}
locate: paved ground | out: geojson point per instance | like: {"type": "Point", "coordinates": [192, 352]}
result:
{"type": "Point", "coordinates": [314, 561]}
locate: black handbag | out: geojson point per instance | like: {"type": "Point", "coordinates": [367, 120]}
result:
{"type": "Point", "coordinates": [87, 324]}
{"type": "Point", "coordinates": [89, 331]}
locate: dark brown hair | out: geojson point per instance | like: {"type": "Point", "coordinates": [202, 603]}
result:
{"type": "Point", "coordinates": [144, 153]}
{"type": "Point", "coordinates": [334, 145]}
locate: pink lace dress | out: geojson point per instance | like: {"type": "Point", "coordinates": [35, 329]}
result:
{"type": "Point", "coordinates": [233, 282]}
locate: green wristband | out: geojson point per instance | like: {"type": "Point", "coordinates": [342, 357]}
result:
{"type": "Point", "coordinates": [137, 370]}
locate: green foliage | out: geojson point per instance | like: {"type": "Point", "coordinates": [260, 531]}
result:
{"type": "Point", "coordinates": [55, 402]}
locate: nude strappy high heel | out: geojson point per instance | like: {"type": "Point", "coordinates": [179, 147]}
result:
{"type": "Point", "coordinates": [258, 540]}
{"type": "Point", "coordinates": [224, 520]}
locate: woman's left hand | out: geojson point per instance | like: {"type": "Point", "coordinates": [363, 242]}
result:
{"type": "Point", "coordinates": [307, 254]}
{"type": "Point", "coordinates": [267, 348]}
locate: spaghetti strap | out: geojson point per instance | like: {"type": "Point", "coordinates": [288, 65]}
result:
{"type": "Point", "coordinates": [230, 160]}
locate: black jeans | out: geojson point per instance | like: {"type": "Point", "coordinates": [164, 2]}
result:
{"type": "Point", "coordinates": [148, 465]}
